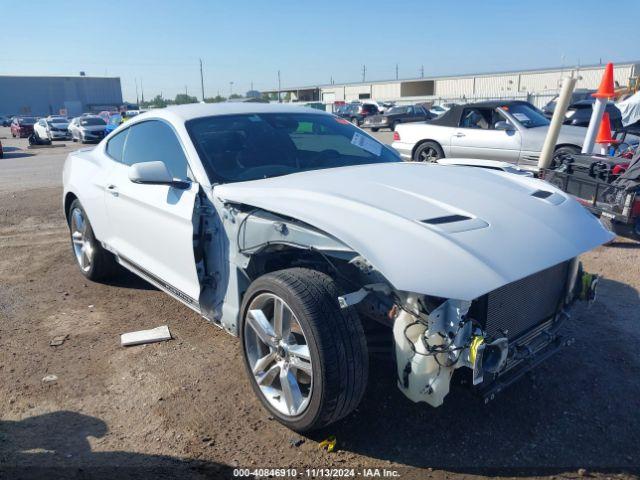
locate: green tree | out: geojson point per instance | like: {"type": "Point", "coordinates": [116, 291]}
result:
{"type": "Point", "coordinates": [235, 95]}
{"type": "Point", "coordinates": [183, 98]}
{"type": "Point", "coordinates": [216, 99]}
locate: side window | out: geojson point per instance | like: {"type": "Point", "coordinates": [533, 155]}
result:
{"type": "Point", "coordinates": [475, 118]}
{"type": "Point", "coordinates": [153, 141]}
{"type": "Point", "coordinates": [115, 147]}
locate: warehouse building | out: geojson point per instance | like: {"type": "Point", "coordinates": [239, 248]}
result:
{"type": "Point", "coordinates": [35, 95]}
{"type": "Point", "coordinates": [537, 86]}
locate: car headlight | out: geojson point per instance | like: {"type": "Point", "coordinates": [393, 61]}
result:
{"type": "Point", "coordinates": [569, 114]}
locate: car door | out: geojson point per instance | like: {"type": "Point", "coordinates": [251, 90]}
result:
{"type": "Point", "coordinates": [477, 137]}
{"type": "Point", "coordinates": [151, 225]}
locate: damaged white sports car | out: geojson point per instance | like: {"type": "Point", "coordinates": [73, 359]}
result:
{"type": "Point", "coordinates": [291, 228]}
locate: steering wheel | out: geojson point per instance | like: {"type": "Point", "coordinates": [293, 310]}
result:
{"type": "Point", "coordinates": [320, 157]}
{"type": "Point", "coordinates": [255, 173]}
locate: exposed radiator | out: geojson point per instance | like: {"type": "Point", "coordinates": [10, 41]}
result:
{"type": "Point", "coordinates": [523, 304]}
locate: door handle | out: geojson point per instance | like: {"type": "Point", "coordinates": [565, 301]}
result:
{"type": "Point", "coordinates": [459, 135]}
{"type": "Point", "coordinates": [113, 190]}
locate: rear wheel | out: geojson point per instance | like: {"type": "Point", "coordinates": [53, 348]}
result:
{"type": "Point", "coordinates": [305, 356]}
{"type": "Point", "coordinates": [94, 261]}
{"type": "Point", "coordinates": [355, 121]}
{"type": "Point", "coordinates": [428, 152]}
{"type": "Point", "coordinates": [374, 129]}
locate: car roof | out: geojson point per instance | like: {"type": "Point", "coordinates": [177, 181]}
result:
{"type": "Point", "coordinates": [198, 110]}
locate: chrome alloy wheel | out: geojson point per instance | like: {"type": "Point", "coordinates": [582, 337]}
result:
{"type": "Point", "coordinates": [82, 240]}
{"type": "Point", "coordinates": [429, 155]}
{"type": "Point", "coordinates": [278, 354]}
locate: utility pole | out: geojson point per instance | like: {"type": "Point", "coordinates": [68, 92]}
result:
{"type": "Point", "coordinates": [186, 92]}
{"type": "Point", "coordinates": [364, 73]}
{"type": "Point", "coordinates": [396, 71]}
{"type": "Point", "coordinates": [142, 90]}
{"type": "Point", "coordinates": [251, 84]}
{"type": "Point", "coordinates": [230, 89]}
{"type": "Point", "coordinates": [279, 88]}
{"type": "Point", "coordinates": [137, 99]}
{"type": "Point", "coordinates": [201, 80]}
{"type": "Point", "coordinates": [421, 71]}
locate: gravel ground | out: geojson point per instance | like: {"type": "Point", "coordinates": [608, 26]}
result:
{"type": "Point", "coordinates": [184, 408]}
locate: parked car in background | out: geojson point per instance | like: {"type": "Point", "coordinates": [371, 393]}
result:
{"type": "Point", "coordinates": [87, 129]}
{"type": "Point", "coordinates": [508, 131]}
{"type": "Point", "coordinates": [577, 95]}
{"type": "Point", "coordinates": [396, 115]}
{"type": "Point", "coordinates": [5, 121]}
{"type": "Point", "coordinates": [52, 128]}
{"type": "Point", "coordinates": [438, 110]}
{"type": "Point", "coordinates": [579, 114]}
{"type": "Point", "coordinates": [1, 151]}
{"type": "Point", "coordinates": [22, 127]}
{"type": "Point", "coordinates": [357, 112]}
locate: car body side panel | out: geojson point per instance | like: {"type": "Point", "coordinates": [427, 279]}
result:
{"type": "Point", "coordinates": [412, 133]}
{"type": "Point", "coordinates": [85, 174]}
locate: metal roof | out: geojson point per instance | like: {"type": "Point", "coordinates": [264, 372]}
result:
{"type": "Point", "coordinates": [452, 76]}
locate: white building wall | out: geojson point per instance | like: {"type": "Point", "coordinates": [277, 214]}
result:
{"type": "Point", "coordinates": [450, 87]}
{"type": "Point", "coordinates": [496, 85]}
{"type": "Point", "coordinates": [386, 91]}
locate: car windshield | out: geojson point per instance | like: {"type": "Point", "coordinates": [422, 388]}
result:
{"type": "Point", "coordinates": [526, 115]}
{"type": "Point", "coordinates": [88, 122]}
{"type": "Point", "coordinates": [236, 148]}
{"type": "Point", "coordinates": [58, 120]}
{"type": "Point", "coordinates": [27, 120]}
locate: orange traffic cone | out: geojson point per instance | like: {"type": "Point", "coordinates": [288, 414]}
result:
{"type": "Point", "coordinates": [606, 88]}
{"type": "Point", "coordinates": [604, 134]}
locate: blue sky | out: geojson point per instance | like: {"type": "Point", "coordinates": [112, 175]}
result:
{"type": "Point", "coordinates": [159, 42]}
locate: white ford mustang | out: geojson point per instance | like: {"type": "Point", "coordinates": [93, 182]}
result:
{"type": "Point", "coordinates": [292, 229]}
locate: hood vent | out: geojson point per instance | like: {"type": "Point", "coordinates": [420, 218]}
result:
{"type": "Point", "coordinates": [446, 219]}
{"type": "Point", "coordinates": [454, 223]}
{"type": "Point", "coordinates": [549, 197]}
{"type": "Point", "coordinates": [541, 194]}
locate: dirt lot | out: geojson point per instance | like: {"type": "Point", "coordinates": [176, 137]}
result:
{"type": "Point", "coordinates": [184, 408]}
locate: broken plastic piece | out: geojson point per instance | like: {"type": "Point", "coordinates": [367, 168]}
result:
{"type": "Point", "coordinates": [157, 334]}
{"type": "Point", "coordinates": [329, 444]}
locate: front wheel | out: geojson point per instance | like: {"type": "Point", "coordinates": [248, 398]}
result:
{"type": "Point", "coordinates": [94, 261]}
{"type": "Point", "coordinates": [561, 153]}
{"type": "Point", "coordinates": [374, 129]}
{"type": "Point", "coordinates": [355, 121]}
{"type": "Point", "coordinates": [306, 357]}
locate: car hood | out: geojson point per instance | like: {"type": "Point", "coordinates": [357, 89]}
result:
{"type": "Point", "coordinates": [502, 233]}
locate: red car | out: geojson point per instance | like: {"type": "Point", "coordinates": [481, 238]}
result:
{"type": "Point", "coordinates": [22, 126]}
{"type": "Point", "coordinates": [1, 152]}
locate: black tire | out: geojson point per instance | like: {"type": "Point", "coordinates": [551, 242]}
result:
{"type": "Point", "coordinates": [562, 152]}
{"type": "Point", "coordinates": [355, 121]}
{"type": "Point", "coordinates": [336, 341]}
{"type": "Point", "coordinates": [374, 129]}
{"type": "Point", "coordinates": [393, 126]}
{"type": "Point", "coordinates": [103, 264]}
{"type": "Point", "coordinates": [428, 152]}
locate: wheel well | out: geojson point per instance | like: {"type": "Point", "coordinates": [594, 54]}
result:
{"type": "Point", "coordinates": [417, 145]}
{"type": "Point", "coordinates": [68, 200]}
{"type": "Point", "coordinates": [566, 145]}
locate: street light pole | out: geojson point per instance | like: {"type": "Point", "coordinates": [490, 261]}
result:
{"type": "Point", "coordinates": [279, 88]}
{"type": "Point", "coordinates": [201, 80]}
{"type": "Point", "coordinates": [230, 89]}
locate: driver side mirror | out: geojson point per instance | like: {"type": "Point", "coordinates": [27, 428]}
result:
{"type": "Point", "coordinates": [154, 173]}
{"type": "Point", "coordinates": [503, 125]}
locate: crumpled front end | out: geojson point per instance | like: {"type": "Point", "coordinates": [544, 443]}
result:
{"type": "Point", "coordinates": [498, 336]}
